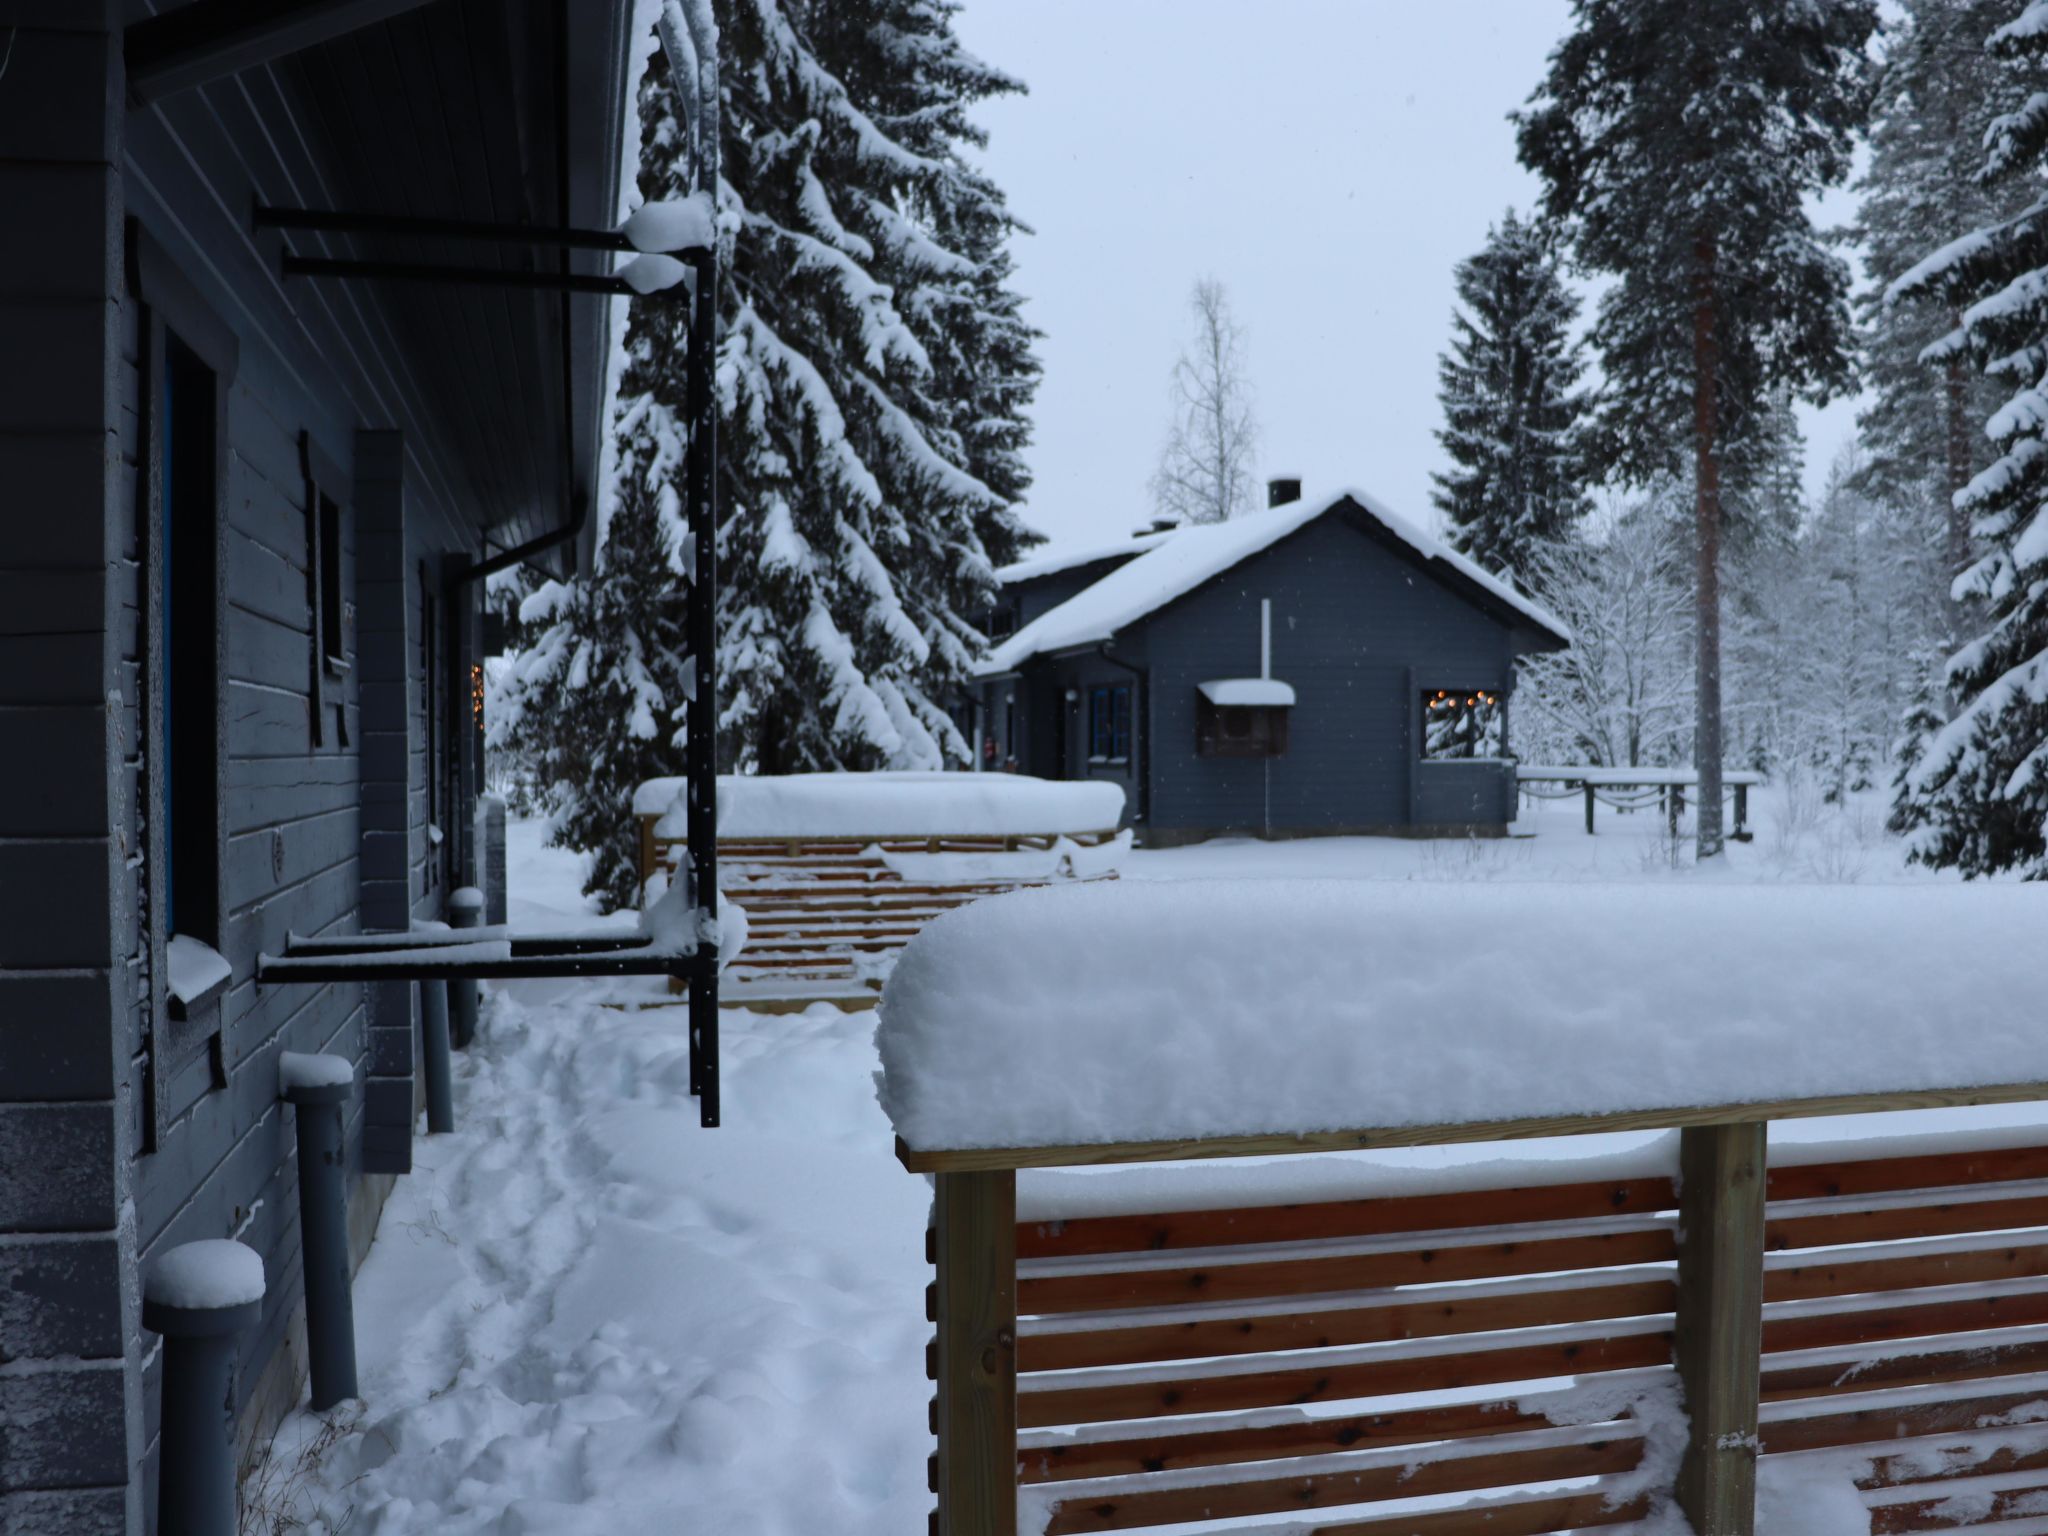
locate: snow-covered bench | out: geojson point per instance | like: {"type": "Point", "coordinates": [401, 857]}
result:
{"type": "Point", "coordinates": [837, 872]}
{"type": "Point", "coordinates": [1385, 1342]}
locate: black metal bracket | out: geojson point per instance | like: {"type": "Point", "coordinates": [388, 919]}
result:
{"type": "Point", "coordinates": [472, 277]}
{"type": "Point", "coordinates": [444, 955]}
{"type": "Point", "coordinates": [348, 222]}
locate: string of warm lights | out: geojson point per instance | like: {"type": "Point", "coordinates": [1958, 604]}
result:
{"type": "Point", "coordinates": [476, 694]}
{"type": "Point", "coordinates": [1444, 700]}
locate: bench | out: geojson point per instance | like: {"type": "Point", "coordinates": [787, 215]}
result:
{"type": "Point", "coordinates": [1628, 789]}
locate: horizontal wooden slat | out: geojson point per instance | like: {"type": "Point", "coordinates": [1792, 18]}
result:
{"type": "Point", "coordinates": [1116, 1288]}
{"type": "Point", "coordinates": [1039, 1408]}
{"type": "Point", "coordinates": [1894, 1223]}
{"type": "Point", "coordinates": [1947, 1512]}
{"type": "Point", "coordinates": [1901, 1272]}
{"type": "Point", "coordinates": [1508, 1517]}
{"type": "Point", "coordinates": [1165, 1451]}
{"type": "Point", "coordinates": [1414, 1479]}
{"type": "Point", "coordinates": [1874, 1324]}
{"type": "Point", "coordinates": [1342, 1218]}
{"type": "Point", "coordinates": [1879, 1175]}
{"type": "Point", "coordinates": [1912, 1468]}
{"type": "Point", "coordinates": [1335, 1326]}
{"type": "Point", "coordinates": [1903, 1370]}
{"type": "Point", "coordinates": [1877, 1426]}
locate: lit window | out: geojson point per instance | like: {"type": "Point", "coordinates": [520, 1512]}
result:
{"type": "Point", "coordinates": [1463, 723]}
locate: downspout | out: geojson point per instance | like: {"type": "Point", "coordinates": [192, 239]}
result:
{"type": "Point", "coordinates": [1144, 763]}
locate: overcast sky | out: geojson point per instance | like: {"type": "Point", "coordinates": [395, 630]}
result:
{"type": "Point", "coordinates": [1329, 160]}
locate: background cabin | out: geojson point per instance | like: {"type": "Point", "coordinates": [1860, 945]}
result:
{"type": "Point", "coordinates": [243, 514]}
{"type": "Point", "coordinates": [1317, 667]}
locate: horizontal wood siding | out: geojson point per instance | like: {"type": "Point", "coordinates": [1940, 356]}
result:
{"type": "Point", "coordinates": [1352, 621]}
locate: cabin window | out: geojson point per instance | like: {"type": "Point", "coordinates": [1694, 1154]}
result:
{"type": "Point", "coordinates": [1002, 623]}
{"type": "Point", "coordinates": [1239, 730]}
{"type": "Point", "coordinates": [1109, 723]}
{"type": "Point", "coordinates": [1463, 723]}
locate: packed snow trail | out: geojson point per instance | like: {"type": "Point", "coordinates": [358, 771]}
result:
{"type": "Point", "coordinates": [585, 1314]}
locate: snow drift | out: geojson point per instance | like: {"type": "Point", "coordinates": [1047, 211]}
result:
{"type": "Point", "coordinates": [1139, 1011]}
{"type": "Point", "coordinates": [891, 805]}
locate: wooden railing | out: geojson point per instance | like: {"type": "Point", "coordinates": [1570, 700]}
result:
{"type": "Point", "coordinates": [825, 915]}
{"type": "Point", "coordinates": [1197, 1368]}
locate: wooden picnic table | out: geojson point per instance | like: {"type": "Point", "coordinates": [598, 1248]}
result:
{"type": "Point", "coordinates": [1668, 785]}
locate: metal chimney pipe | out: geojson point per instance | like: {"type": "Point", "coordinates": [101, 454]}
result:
{"type": "Point", "coordinates": [1283, 489]}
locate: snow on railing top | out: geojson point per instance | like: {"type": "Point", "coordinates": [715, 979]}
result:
{"type": "Point", "coordinates": [875, 805]}
{"type": "Point", "coordinates": [1136, 1012]}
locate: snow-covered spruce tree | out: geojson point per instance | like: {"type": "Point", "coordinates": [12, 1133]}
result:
{"type": "Point", "coordinates": [595, 700]}
{"type": "Point", "coordinates": [864, 284]}
{"type": "Point", "coordinates": [1937, 96]}
{"type": "Point", "coordinates": [1977, 800]}
{"type": "Point", "coordinates": [1206, 473]}
{"type": "Point", "coordinates": [1511, 404]}
{"type": "Point", "coordinates": [1679, 140]}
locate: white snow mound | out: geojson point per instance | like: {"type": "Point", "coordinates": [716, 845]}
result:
{"type": "Point", "coordinates": [1143, 1011]}
{"type": "Point", "coordinates": [313, 1069]}
{"type": "Point", "coordinates": [213, 1272]}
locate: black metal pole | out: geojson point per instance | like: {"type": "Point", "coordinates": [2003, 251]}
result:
{"type": "Point", "coordinates": [471, 277]}
{"type": "Point", "coordinates": [439, 1070]}
{"type": "Point", "coordinates": [701, 754]}
{"type": "Point", "coordinates": [342, 221]}
{"type": "Point", "coordinates": [319, 1108]}
{"type": "Point", "coordinates": [465, 910]}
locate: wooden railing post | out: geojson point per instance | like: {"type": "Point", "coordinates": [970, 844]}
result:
{"type": "Point", "coordinates": [1719, 1339]}
{"type": "Point", "coordinates": [974, 1219]}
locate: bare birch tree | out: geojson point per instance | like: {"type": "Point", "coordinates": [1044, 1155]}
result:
{"type": "Point", "coordinates": [1205, 472]}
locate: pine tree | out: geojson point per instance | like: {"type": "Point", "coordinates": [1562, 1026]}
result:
{"type": "Point", "coordinates": [1977, 799]}
{"type": "Point", "coordinates": [594, 702]}
{"type": "Point", "coordinates": [1679, 139]}
{"type": "Point", "coordinates": [866, 281]}
{"type": "Point", "coordinates": [1511, 409]}
{"type": "Point", "coordinates": [1936, 99]}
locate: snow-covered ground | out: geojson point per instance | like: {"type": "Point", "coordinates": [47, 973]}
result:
{"type": "Point", "coordinates": [585, 1314]}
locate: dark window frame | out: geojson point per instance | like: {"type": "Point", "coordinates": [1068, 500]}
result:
{"type": "Point", "coordinates": [1494, 696]}
{"type": "Point", "coordinates": [1240, 730]}
{"type": "Point", "coordinates": [187, 362]}
{"type": "Point", "coordinates": [1109, 723]}
{"type": "Point", "coordinates": [330, 608]}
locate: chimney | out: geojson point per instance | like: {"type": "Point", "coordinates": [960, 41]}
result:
{"type": "Point", "coordinates": [1282, 489]}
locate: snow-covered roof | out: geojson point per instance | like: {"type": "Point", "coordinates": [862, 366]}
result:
{"type": "Point", "coordinates": [1235, 692]}
{"type": "Point", "coordinates": [1180, 561]}
{"type": "Point", "coordinates": [1051, 562]}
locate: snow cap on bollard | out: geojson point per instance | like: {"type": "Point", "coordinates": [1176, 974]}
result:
{"type": "Point", "coordinates": [465, 898]}
{"type": "Point", "coordinates": [314, 1078]}
{"type": "Point", "coordinates": [203, 1289]}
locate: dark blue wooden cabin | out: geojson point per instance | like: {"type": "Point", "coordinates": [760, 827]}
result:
{"type": "Point", "coordinates": [240, 514]}
{"type": "Point", "coordinates": [1316, 667]}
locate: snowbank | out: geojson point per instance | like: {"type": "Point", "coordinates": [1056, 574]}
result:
{"type": "Point", "coordinates": [890, 805]}
{"type": "Point", "coordinates": [1140, 1011]}
{"type": "Point", "coordinates": [213, 1272]}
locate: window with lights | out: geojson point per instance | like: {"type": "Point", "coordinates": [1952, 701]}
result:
{"type": "Point", "coordinates": [1463, 723]}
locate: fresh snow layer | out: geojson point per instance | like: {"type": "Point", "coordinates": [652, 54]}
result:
{"type": "Point", "coordinates": [889, 805]}
{"type": "Point", "coordinates": [1582, 774]}
{"type": "Point", "coordinates": [1236, 692]}
{"type": "Point", "coordinates": [1052, 562]}
{"type": "Point", "coordinates": [1137, 1011]}
{"type": "Point", "coordinates": [679, 225]}
{"type": "Point", "coordinates": [652, 273]}
{"type": "Point", "coordinates": [307, 1069]}
{"type": "Point", "coordinates": [1185, 559]}
{"type": "Point", "coordinates": [214, 1272]}
{"type": "Point", "coordinates": [193, 969]}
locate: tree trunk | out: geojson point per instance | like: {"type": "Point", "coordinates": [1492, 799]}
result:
{"type": "Point", "coordinates": [1706, 359]}
{"type": "Point", "coordinates": [1958, 476]}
